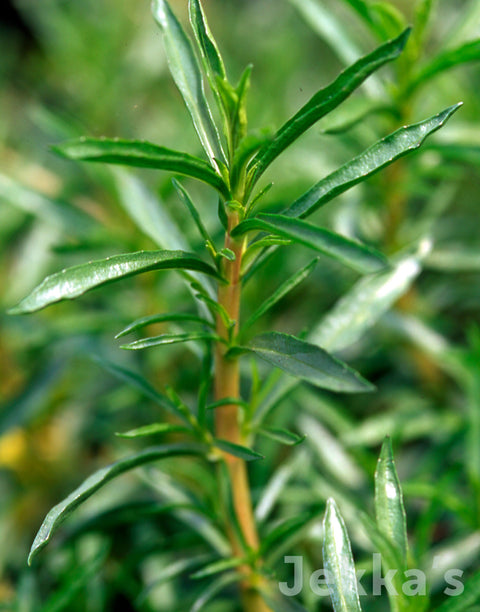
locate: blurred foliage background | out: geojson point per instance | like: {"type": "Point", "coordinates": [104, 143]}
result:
{"type": "Point", "coordinates": [97, 67]}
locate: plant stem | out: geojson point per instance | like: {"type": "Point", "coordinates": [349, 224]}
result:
{"type": "Point", "coordinates": [227, 424]}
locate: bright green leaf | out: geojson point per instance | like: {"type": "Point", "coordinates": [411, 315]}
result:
{"type": "Point", "coordinates": [176, 317]}
{"type": "Point", "coordinates": [167, 339]}
{"type": "Point", "coordinates": [96, 481]}
{"type": "Point", "coordinates": [74, 282]}
{"type": "Point", "coordinates": [188, 78]}
{"type": "Point", "coordinates": [325, 101]}
{"type": "Point", "coordinates": [152, 429]}
{"type": "Point", "coordinates": [206, 42]}
{"type": "Point", "coordinates": [389, 509]}
{"type": "Point", "coordinates": [378, 156]}
{"type": "Point", "coordinates": [467, 52]}
{"type": "Point", "coordinates": [338, 561]}
{"type": "Point", "coordinates": [281, 435]}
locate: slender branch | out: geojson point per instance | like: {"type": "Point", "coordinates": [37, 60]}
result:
{"type": "Point", "coordinates": [227, 424]}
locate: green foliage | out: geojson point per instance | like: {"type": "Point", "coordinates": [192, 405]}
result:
{"type": "Point", "coordinates": [251, 455]}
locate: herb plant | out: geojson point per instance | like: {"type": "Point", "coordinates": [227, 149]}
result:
{"type": "Point", "coordinates": [215, 437]}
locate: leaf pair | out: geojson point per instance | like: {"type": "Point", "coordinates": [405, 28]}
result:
{"type": "Point", "coordinates": [390, 527]}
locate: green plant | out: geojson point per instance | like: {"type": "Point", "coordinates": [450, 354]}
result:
{"type": "Point", "coordinates": [236, 162]}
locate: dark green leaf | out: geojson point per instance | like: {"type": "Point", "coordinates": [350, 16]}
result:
{"type": "Point", "coordinates": [167, 339]}
{"type": "Point", "coordinates": [356, 255]}
{"type": "Point", "coordinates": [73, 282]}
{"type": "Point", "coordinates": [140, 154]}
{"type": "Point", "coordinates": [308, 362]}
{"type": "Point", "coordinates": [281, 292]}
{"type": "Point", "coordinates": [96, 481]}
{"type": "Point", "coordinates": [177, 317]}
{"type": "Point", "coordinates": [281, 435]}
{"type": "Point", "coordinates": [325, 101]}
{"type": "Point", "coordinates": [152, 429]}
{"type": "Point", "coordinates": [188, 78]}
{"type": "Point", "coordinates": [389, 509]}
{"type": "Point", "coordinates": [247, 454]}
{"type": "Point", "coordinates": [338, 561]}
{"type": "Point", "coordinates": [187, 200]}
{"type": "Point", "coordinates": [378, 156]}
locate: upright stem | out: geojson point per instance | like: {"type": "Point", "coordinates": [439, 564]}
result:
{"type": "Point", "coordinates": [227, 424]}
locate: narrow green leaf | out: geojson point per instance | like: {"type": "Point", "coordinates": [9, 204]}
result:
{"type": "Point", "coordinates": [281, 435]}
{"type": "Point", "coordinates": [389, 509]}
{"type": "Point", "coordinates": [218, 566]}
{"type": "Point", "coordinates": [152, 429]}
{"type": "Point", "coordinates": [187, 200]}
{"type": "Point", "coordinates": [188, 78]}
{"type": "Point", "coordinates": [239, 119]}
{"type": "Point", "coordinates": [367, 301]}
{"type": "Point", "coordinates": [464, 601]}
{"type": "Point", "coordinates": [237, 450]}
{"type": "Point", "coordinates": [140, 154]}
{"type": "Point", "coordinates": [206, 43]}
{"type": "Point", "coordinates": [167, 339]}
{"type": "Point", "coordinates": [281, 292]}
{"type": "Point", "coordinates": [325, 101]}
{"type": "Point", "coordinates": [391, 523]}
{"type": "Point", "coordinates": [227, 254]}
{"type": "Point", "coordinates": [338, 561]}
{"type": "Point", "coordinates": [96, 481]}
{"type": "Point", "coordinates": [378, 156]}
{"type": "Point", "coordinates": [218, 585]}
{"type": "Point", "coordinates": [176, 317]}
{"type": "Point", "coordinates": [467, 52]}
{"type": "Point", "coordinates": [138, 382]}
{"type": "Point", "coordinates": [358, 256]}
{"type": "Point", "coordinates": [423, 12]}
{"type": "Point", "coordinates": [74, 282]}
{"type": "Point", "coordinates": [308, 362]}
